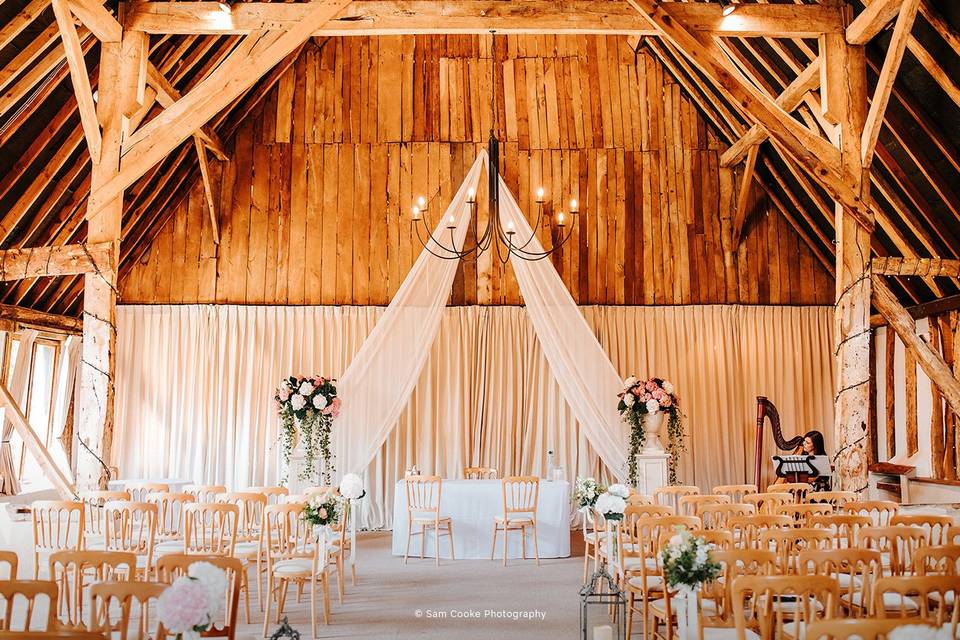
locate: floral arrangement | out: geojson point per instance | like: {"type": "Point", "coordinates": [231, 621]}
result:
{"type": "Point", "coordinates": [640, 398]}
{"type": "Point", "coordinates": [351, 487]}
{"type": "Point", "coordinates": [310, 404]}
{"type": "Point", "coordinates": [613, 502]}
{"type": "Point", "coordinates": [323, 509]}
{"type": "Point", "coordinates": [191, 604]}
{"type": "Point", "coordinates": [687, 561]}
{"type": "Point", "coordinates": [586, 491]}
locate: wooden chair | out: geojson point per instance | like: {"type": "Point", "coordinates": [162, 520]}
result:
{"type": "Point", "coordinates": [879, 511]}
{"type": "Point", "coordinates": [12, 561]}
{"type": "Point", "coordinates": [855, 571]}
{"type": "Point", "coordinates": [782, 605]}
{"type": "Point", "coordinates": [133, 600]}
{"type": "Point", "coordinates": [721, 540]}
{"type": "Point", "coordinates": [132, 527]}
{"type": "Point", "coordinates": [748, 529]}
{"type": "Point", "coordinates": [801, 513]}
{"type": "Point", "coordinates": [860, 628]}
{"type": "Point", "coordinates": [790, 542]}
{"type": "Point", "coordinates": [935, 526]}
{"type": "Point", "coordinates": [670, 496]}
{"type": "Point", "coordinates": [274, 495]}
{"type": "Point", "coordinates": [27, 595]}
{"type": "Point", "coordinates": [844, 526]}
{"type": "Point", "coordinates": [592, 533]}
{"type": "Point", "coordinates": [93, 502]}
{"type": "Point", "coordinates": [74, 571]}
{"type": "Point", "coordinates": [57, 526]}
{"type": "Point", "coordinates": [940, 560]}
{"type": "Point", "coordinates": [716, 516]}
{"type": "Point", "coordinates": [71, 634]}
{"type": "Point", "coordinates": [204, 492]}
{"type": "Point", "coordinates": [169, 519]}
{"type": "Point", "coordinates": [735, 491]}
{"type": "Point", "coordinates": [480, 473]}
{"type": "Point", "coordinates": [423, 510]}
{"type": "Point", "coordinates": [897, 546]}
{"type": "Point", "coordinates": [638, 498]}
{"type": "Point", "coordinates": [521, 496]}
{"type": "Point", "coordinates": [716, 598]}
{"type": "Point", "coordinates": [293, 555]}
{"type": "Point", "coordinates": [836, 498]}
{"type": "Point", "coordinates": [768, 504]}
{"type": "Point", "coordinates": [173, 565]}
{"type": "Point", "coordinates": [210, 528]}
{"type": "Point", "coordinates": [249, 541]}
{"type": "Point", "coordinates": [798, 490]}
{"type": "Point", "coordinates": [922, 597]}
{"type": "Point", "coordinates": [689, 505]}
{"type": "Point", "coordinates": [140, 490]}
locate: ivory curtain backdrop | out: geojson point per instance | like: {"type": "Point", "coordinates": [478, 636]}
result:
{"type": "Point", "coordinates": [195, 382]}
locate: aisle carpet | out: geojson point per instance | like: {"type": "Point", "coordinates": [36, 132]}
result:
{"type": "Point", "coordinates": [463, 599]}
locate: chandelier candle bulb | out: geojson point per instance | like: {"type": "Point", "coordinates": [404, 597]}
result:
{"type": "Point", "coordinates": [422, 203]}
{"type": "Point", "coordinates": [471, 195]}
{"type": "Point", "coordinates": [416, 212]}
{"type": "Point", "coordinates": [540, 194]}
{"type": "Point", "coordinates": [574, 206]}
{"type": "Point", "coordinates": [450, 222]}
{"type": "Point", "coordinates": [560, 219]}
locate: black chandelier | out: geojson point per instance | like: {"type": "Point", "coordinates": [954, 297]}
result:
{"type": "Point", "coordinates": [495, 233]}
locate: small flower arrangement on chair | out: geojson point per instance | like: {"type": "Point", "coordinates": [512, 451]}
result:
{"type": "Point", "coordinates": [193, 602]}
{"type": "Point", "coordinates": [323, 510]}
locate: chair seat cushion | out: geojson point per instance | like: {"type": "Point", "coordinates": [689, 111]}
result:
{"type": "Point", "coordinates": [428, 520]}
{"type": "Point", "coordinates": [891, 601]}
{"type": "Point", "coordinates": [632, 563]}
{"type": "Point", "coordinates": [708, 607]}
{"type": "Point", "coordinates": [787, 604]}
{"type": "Point", "coordinates": [294, 567]}
{"type": "Point", "coordinates": [169, 546]}
{"type": "Point", "coordinates": [652, 582]}
{"type": "Point", "coordinates": [515, 519]}
{"type": "Point", "coordinates": [241, 549]}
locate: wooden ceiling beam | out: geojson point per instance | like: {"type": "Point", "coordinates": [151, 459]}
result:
{"type": "Point", "coordinates": [922, 267]}
{"type": "Point", "coordinates": [63, 260]}
{"type": "Point", "coordinates": [40, 319]}
{"type": "Point", "coordinates": [167, 95]}
{"type": "Point", "coordinates": [872, 20]}
{"type": "Point", "coordinates": [47, 38]}
{"type": "Point", "coordinates": [395, 17]}
{"type": "Point", "coordinates": [98, 19]}
{"type": "Point", "coordinates": [21, 21]}
{"type": "Point", "coordinates": [743, 195]}
{"type": "Point", "coordinates": [78, 77]}
{"type": "Point", "coordinates": [207, 187]}
{"type": "Point", "coordinates": [924, 310]}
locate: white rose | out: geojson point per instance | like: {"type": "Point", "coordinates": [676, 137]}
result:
{"type": "Point", "coordinates": [668, 386]}
{"type": "Point", "coordinates": [351, 486]}
{"type": "Point", "coordinates": [320, 401]}
{"type": "Point", "coordinates": [653, 406]}
{"type": "Point", "coordinates": [629, 399]}
{"type": "Point", "coordinates": [610, 504]}
{"type": "Point", "coordinates": [298, 402]}
{"type": "Point", "coordinates": [629, 382]}
{"type": "Point", "coordinates": [306, 388]}
{"type": "Point", "coordinates": [214, 580]}
{"type": "Point", "coordinates": [619, 490]}
{"type": "Point", "coordinates": [676, 540]}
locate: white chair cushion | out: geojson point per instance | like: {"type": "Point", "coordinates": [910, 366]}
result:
{"type": "Point", "coordinates": [170, 546]}
{"type": "Point", "coordinates": [653, 582]}
{"type": "Point", "coordinates": [294, 567]}
{"type": "Point", "coordinates": [787, 604]}
{"type": "Point", "coordinates": [246, 548]}
{"type": "Point", "coordinates": [516, 519]}
{"type": "Point", "coordinates": [891, 601]}
{"type": "Point", "coordinates": [632, 563]}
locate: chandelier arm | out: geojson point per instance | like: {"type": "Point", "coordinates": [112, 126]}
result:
{"type": "Point", "coordinates": [532, 256]}
{"type": "Point", "coordinates": [426, 245]}
{"type": "Point", "coordinates": [533, 231]}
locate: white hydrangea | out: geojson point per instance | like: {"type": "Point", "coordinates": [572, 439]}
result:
{"type": "Point", "coordinates": [608, 503]}
{"type": "Point", "coordinates": [320, 401]}
{"type": "Point", "coordinates": [667, 386]}
{"type": "Point", "coordinates": [629, 399]}
{"type": "Point", "coordinates": [619, 490]}
{"type": "Point", "coordinates": [306, 388]}
{"type": "Point", "coordinates": [702, 555]}
{"type": "Point", "coordinates": [298, 402]}
{"type": "Point", "coordinates": [629, 382]}
{"type": "Point", "coordinates": [351, 486]}
{"type": "Point", "coordinates": [652, 406]}
{"type": "Point", "coordinates": [214, 580]}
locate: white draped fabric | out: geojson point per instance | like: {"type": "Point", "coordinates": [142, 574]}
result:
{"type": "Point", "coordinates": [18, 389]}
{"type": "Point", "coordinates": [194, 382]}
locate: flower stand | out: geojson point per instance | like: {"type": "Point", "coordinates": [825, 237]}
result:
{"type": "Point", "coordinates": [652, 471]}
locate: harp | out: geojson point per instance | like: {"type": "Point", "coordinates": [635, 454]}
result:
{"type": "Point", "coordinates": [766, 409]}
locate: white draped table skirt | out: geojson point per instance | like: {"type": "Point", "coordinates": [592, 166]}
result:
{"type": "Point", "coordinates": [472, 505]}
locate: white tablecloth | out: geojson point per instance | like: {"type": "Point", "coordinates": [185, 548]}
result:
{"type": "Point", "coordinates": [473, 504]}
{"type": "Point", "coordinates": [176, 484]}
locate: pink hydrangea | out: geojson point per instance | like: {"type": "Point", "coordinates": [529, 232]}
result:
{"type": "Point", "coordinates": [183, 606]}
{"type": "Point", "coordinates": [335, 406]}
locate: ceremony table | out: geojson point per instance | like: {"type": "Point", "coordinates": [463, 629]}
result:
{"type": "Point", "coordinates": [176, 484]}
{"type": "Point", "coordinates": [473, 504]}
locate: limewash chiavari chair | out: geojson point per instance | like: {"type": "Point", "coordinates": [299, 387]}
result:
{"type": "Point", "coordinates": [249, 541]}
{"type": "Point", "coordinates": [274, 495]}
{"type": "Point", "coordinates": [715, 516]}
{"type": "Point", "coordinates": [131, 527]}
{"type": "Point", "coordinates": [936, 527]}
{"type": "Point", "coordinates": [12, 561]}
{"type": "Point", "coordinates": [23, 600]}
{"type": "Point", "coordinates": [293, 555]}
{"type": "Point", "coordinates": [73, 571]}
{"type": "Point", "coordinates": [636, 511]}
{"type": "Point", "coordinates": [788, 543]}
{"type": "Point", "coordinates": [521, 496]}
{"type": "Point", "coordinates": [722, 540]}
{"type": "Point", "coordinates": [801, 513]}
{"type": "Point", "coordinates": [689, 505]}
{"type": "Point", "coordinates": [169, 518]}
{"type": "Point", "coordinates": [57, 526]}
{"type": "Point", "coordinates": [639, 498]}
{"type": "Point", "coordinates": [748, 529]}
{"type": "Point", "coordinates": [670, 496]}
{"type": "Point", "coordinates": [798, 490]}
{"type": "Point", "coordinates": [423, 510]}
{"type": "Point", "coordinates": [916, 596]}
{"type": "Point", "coordinates": [734, 491]}
{"type": "Point", "coordinates": [782, 605]}
{"type": "Point", "coordinates": [768, 503]}
{"type": "Point", "coordinates": [836, 498]}
{"type": "Point", "coordinates": [844, 526]}
{"type": "Point", "coordinates": [855, 571]}
{"type": "Point", "coordinates": [897, 546]}
{"type": "Point", "coordinates": [133, 600]}
{"type": "Point", "coordinates": [592, 538]}
{"type": "Point", "coordinates": [204, 492]}
{"type": "Point", "coordinates": [480, 473]}
{"type": "Point", "coordinates": [140, 490]}
{"type": "Point", "coordinates": [880, 512]}
{"type": "Point", "coordinates": [715, 597]}
{"type": "Point", "coordinates": [859, 628]}
{"type": "Point", "coordinates": [210, 528]}
{"type": "Point", "coordinates": [940, 560]}
{"type": "Point", "coordinates": [93, 502]}
{"type": "Point", "coordinates": [173, 565]}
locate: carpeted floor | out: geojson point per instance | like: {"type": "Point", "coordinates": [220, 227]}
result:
{"type": "Point", "coordinates": [464, 599]}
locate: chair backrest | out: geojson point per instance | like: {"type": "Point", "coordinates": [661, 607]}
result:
{"type": "Point", "coordinates": [250, 519]}
{"type": "Point", "coordinates": [879, 511]}
{"type": "Point", "coordinates": [935, 526]}
{"type": "Point", "coordinates": [93, 502]}
{"type": "Point", "coordinates": [768, 503]}
{"type": "Point", "coordinates": [12, 561]}
{"type": "Point", "coordinates": [939, 560]}
{"type": "Point", "coordinates": [204, 492]}
{"type": "Point", "coordinates": [716, 516]}
{"type": "Point", "coordinates": [788, 543]}
{"type": "Point", "coordinates": [860, 628]}
{"type": "Point", "coordinates": [423, 494]}
{"type": "Point", "coordinates": [274, 494]}
{"type": "Point", "coordinates": [845, 527]}
{"type": "Point", "coordinates": [20, 599]}
{"type": "Point", "coordinates": [521, 494]}
{"type": "Point", "coordinates": [689, 505]}
{"type": "Point", "coordinates": [814, 598]}
{"type": "Point", "coordinates": [480, 473]}
{"type": "Point", "coordinates": [639, 498]}
{"type": "Point", "coordinates": [133, 600]}
{"type": "Point", "coordinates": [57, 525]}
{"type": "Point", "coordinates": [802, 512]}
{"type": "Point", "coordinates": [131, 527]}
{"type": "Point", "coordinates": [720, 539]}
{"type": "Point", "coordinates": [735, 491]}
{"type": "Point", "coordinates": [173, 565]}
{"type": "Point", "coordinates": [650, 510]}
{"type": "Point", "coordinates": [671, 495]}
{"type": "Point", "coordinates": [140, 490]}
{"type": "Point", "coordinates": [748, 529]}
{"type": "Point", "coordinates": [286, 533]}
{"type": "Point", "coordinates": [899, 543]}
{"type": "Point", "coordinates": [935, 596]}
{"type": "Point", "coordinates": [733, 564]}
{"type": "Point", "coordinates": [854, 569]}
{"type": "Point", "coordinates": [72, 570]}
{"type": "Point", "coordinates": [170, 512]}
{"type": "Point", "coordinates": [798, 490]}
{"type": "Point", "coordinates": [210, 528]}
{"type": "Point", "coordinates": [836, 498]}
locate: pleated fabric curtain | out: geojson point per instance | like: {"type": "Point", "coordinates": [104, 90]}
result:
{"type": "Point", "coordinates": [194, 385]}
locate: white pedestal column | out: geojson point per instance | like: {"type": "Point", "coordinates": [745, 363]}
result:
{"type": "Point", "coordinates": [652, 470]}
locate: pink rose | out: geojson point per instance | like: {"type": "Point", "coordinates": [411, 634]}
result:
{"type": "Point", "coordinates": [657, 393]}
{"type": "Point", "coordinates": [651, 385]}
{"type": "Point", "coordinates": [322, 514]}
{"type": "Point", "coordinates": [637, 390]}
{"type": "Point", "coordinates": [284, 393]}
